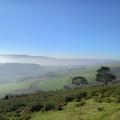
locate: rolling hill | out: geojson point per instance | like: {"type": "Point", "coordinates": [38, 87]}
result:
{"type": "Point", "coordinates": [50, 61]}
{"type": "Point", "coordinates": [24, 74]}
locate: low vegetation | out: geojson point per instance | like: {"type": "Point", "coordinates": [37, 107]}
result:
{"type": "Point", "coordinates": [91, 110]}
{"type": "Point", "coordinates": [25, 106]}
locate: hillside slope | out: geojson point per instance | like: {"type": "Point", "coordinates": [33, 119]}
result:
{"type": "Point", "coordinates": [89, 111]}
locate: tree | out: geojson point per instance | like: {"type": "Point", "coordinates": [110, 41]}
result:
{"type": "Point", "coordinates": [104, 75]}
{"type": "Point", "coordinates": [79, 81]}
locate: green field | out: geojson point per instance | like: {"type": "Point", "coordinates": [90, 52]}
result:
{"type": "Point", "coordinates": [90, 111]}
{"type": "Point", "coordinates": [13, 87]}
{"type": "Point", "coordinates": [55, 83]}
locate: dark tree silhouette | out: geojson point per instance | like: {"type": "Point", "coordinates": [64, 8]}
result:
{"type": "Point", "coordinates": [104, 75]}
{"type": "Point", "coordinates": [79, 81]}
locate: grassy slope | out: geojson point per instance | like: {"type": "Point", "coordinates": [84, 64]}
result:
{"type": "Point", "coordinates": [111, 111]}
{"type": "Point", "coordinates": [59, 82]}
{"type": "Point", "coordinates": [49, 84]}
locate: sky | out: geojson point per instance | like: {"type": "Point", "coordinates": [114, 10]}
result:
{"type": "Point", "coordinates": [61, 28]}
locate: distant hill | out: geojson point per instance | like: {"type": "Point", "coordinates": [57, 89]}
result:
{"type": "Point", "coordinates": [49, 61]}
{"type": "Point", "coordinates": [11, 72]}
{"type": "Point", "coordinates": [24, 67]}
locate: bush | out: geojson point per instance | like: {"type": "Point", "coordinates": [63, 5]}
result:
{"type": "Point", "coordinates": [91, 94]}
{"type": "Point", "coordinates": [59, 108]}
{"type": "Point", "coordinates": [6, 97]}
{"type": "Point", "coordinates": [100, 109]}
{"type": "Point", "coordinates": [2, 118]}
{"type": "Point", "coordinates": [48, 106]}
{"type": "Point", "coordinates": [82, 103]}
{"type": "Point", "coordinates": [77, 99]}
{"type": "Point", "coordinates": [69, 99]}
{"type": "Point", "coordinates": [107, 100]}
{"type": "Point", "coordinates": [82, 95]}
{"type": "Point", "coordinates": [35, 107]}
{"type": "Point", "coordinates": [117, 99]}
{"type": "Point", "coordinates": [97, 99]}
{"type": "Point", "coordinates": [15, 107]}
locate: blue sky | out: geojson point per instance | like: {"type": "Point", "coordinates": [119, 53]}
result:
{"type": "Point", "coordinates": [61, 28]}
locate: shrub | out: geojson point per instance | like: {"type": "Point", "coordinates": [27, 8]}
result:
{"type": "Point", "coordinates": [117, 99]}
{"type": "Point", "coordinates": [107, 100]}
{"type": "Point", "coordinates": [82, 95]}
{"type": "Point", "coordinates": [6, 97]}
{"type": "Point", "coordinates": [100, 109]}
{"type": "Point", "coordinates": [69, 99]}
{"type": "Point", "coordinates": [82, 103]}
{"type": "Point", "coordinates": [15, 107]}
{"type": "Point", "coordinates": [2, 118]}
{"type": "Point", "coordinates": [35, 107]}
{"type": "Point", "coordinates": [48, 106]}
{"type": "Point", "coordinates": [77, 99]}
{"type": "Point", "coordinates": [97, 99]}
{"type": "Point", "coordinates": [91, 93]}
{"type": "Point", "coordinates": [59, 108]}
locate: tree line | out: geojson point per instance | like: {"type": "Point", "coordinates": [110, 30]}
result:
{"type": "Point", "coordinates": [103, 75]}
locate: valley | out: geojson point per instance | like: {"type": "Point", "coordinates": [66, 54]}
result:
{"type": "Point", "coordinates": [19, 78]}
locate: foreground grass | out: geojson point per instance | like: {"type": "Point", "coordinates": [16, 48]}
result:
{"type": "Point", "coordinates": [92, 103]}
{"type": "Point", "coordinates": [91, 110]}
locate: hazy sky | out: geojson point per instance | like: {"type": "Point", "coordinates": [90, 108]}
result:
{"type": "Point", "coordinates": [61, 28]}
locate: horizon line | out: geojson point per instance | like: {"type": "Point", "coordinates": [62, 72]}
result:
{"type": "Point", "coordinates": [55, 57]}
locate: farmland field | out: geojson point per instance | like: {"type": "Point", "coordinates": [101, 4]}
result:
{"type": "Point", "coordinates": [53, 83]}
